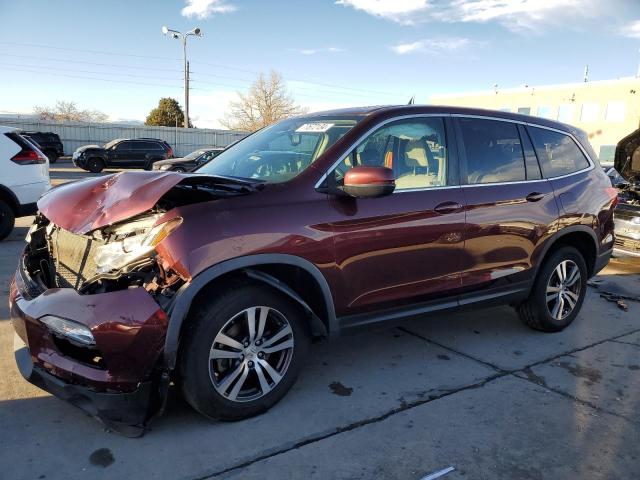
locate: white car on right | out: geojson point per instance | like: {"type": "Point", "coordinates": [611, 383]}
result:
{"type": "Point", "coordinates": [24, 177]}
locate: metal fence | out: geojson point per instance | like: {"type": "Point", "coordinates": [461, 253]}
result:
{"type": "Point", "coordinates": [76, 134]}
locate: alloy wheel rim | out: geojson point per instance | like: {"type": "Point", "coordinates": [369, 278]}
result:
{"type": "Point", "coordinates": [251, 354]}
{"type": "Point", "coordinates": [563, 289]}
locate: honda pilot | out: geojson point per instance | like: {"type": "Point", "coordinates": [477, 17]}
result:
{"type": "Point", "coordinates": [313, 227]}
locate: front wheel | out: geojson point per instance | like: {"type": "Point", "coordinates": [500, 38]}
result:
{"type": "Point", "coordinates": [95, 165]}
{"type": "Point", "coordinates": [558, 292]}
{"type": "Point", "coordinates": [242, 351]}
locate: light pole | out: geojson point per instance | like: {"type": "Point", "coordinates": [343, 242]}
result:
{"type": "Point", "coordinates": [183, 36]}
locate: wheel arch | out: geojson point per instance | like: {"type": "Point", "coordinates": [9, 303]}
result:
{"type": "Point", "coordinates": [580, 237]}
{"type": "Point", "coordinates": [311, 292]}
{"type": "Point", "coordinates": [10, 199]}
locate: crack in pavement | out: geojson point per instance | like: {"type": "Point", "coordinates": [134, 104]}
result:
{"type": "Point", "coordinates": [462, 354]}
{"type": "Point", "coordinates": [355, 425]}
{"type": "Point", "coordinates": [500, 373]}
{"type": "Point", "coordinates": [627, 343]}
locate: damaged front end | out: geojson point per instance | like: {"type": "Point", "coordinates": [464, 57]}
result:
{"type": "Point", "coordinates": [116, 257]}
{"type": "Point", "coordinates": [90, 298]}
{"type": "Point", "coordinates": [626, 178]}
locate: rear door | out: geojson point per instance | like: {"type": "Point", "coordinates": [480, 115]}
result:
{"type": "Point", "coordinates": [511, 209]}
{"type": "Point", "coordinates": [406, 247]}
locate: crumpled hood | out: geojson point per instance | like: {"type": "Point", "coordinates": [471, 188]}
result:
{"type": "Point", "coordinates": [81, 207]}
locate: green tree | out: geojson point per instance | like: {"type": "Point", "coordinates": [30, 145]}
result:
{"type": "Point", "coordinates": [166, 113]}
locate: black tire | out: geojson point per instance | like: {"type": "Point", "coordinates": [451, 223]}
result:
{"type": "Point", "coordinates": [7, 220]}
{"type": "Point", "coordinates": [178, 169]}
{"type": "Point", "coordinates": [535, 311]}
{"type": "Point", "coordinates": [95, 165]}
{"type": "Point", "coordinates": [210, 317]}
{"type": "Point", "coordinates": [52, 155]}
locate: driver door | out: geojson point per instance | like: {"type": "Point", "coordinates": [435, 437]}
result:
{"type": "Point", "coordinates": [406, 247]}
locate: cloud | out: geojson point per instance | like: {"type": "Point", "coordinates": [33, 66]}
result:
{"type": "Point", "coordinates": [400, 11]}
{"type": "Point", "coordinates": [631, 30]}
{"type": "Point", "coordinates": [205, 8]}
{"type": "Point", "coordinates": [513, 14]}
{"type": "Point", "coordinates": [314, 51]}
{"type": "Point", "coordinates": [432, 45]}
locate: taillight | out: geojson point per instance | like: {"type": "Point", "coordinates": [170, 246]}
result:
{"type": "Point", "coordinates": [613, 195]}
{"type": "Point", "coordinates": [29, 154]}
{"type": "Point", "coordinates": [170, 152]}
{"type": "Point", "coordinates": [28, 157]}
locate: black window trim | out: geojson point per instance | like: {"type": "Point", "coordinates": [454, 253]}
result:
{"type": "Point", "coordinates": [454, 149]}
{"type": "Point", "coordinates": [529, 124]}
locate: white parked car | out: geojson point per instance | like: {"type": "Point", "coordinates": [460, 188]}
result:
{"type": "Point", "coordinates": [24, 177]}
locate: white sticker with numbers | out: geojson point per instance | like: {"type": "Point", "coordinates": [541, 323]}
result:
{"type": "Point", "coordinates": [315, 127]}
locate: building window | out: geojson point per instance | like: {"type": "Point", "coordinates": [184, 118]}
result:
{"type": "Point", "coordinates": [565, 113]}
{"type": "Point", "coordinates": [545, 112]}
{"type": "Point", "coordinates": [524, 110]}
{"type": "Point", "coordinates": [505, 109]}
{"type": "Point", "coordinates": [590, 112]}
{"type": "Point", "coordinates": [615, 112]}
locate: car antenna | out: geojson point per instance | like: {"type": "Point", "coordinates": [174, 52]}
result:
{"type": "Point", "coordinates": [412, 101]}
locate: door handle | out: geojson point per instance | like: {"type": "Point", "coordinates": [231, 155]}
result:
{"type": "Point", "coordinates": [447, 207]}
{"type": "Point", "coordinates": [535, 196]}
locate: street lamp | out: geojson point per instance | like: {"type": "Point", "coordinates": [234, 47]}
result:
{"type": "Point", "coordinates": [183, 36]}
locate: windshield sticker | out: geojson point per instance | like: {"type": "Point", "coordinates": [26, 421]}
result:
{"type": "Point", "coordinates": [315, 127]}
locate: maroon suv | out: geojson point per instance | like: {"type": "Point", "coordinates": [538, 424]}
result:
{"type": "Point", "coordinates": [309, 228]}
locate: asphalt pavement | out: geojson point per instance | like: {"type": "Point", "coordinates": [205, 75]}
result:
{"type": "Point", "coordinates": [474, 390]}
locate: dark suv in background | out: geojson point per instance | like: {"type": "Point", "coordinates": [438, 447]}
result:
{"type": "Point", "coordinates": [122, 153]}
{"type": "Point", "coordinates": [313, 227]}
{"type": "Point", "coordinates": [48, 142]}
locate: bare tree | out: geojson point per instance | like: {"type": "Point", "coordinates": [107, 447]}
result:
{"type": "Point", "coordinates": [267, 102]}
{"type": "Point", "coordinates": [69, 112]}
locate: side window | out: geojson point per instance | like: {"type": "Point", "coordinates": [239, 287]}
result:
{"type": "Point", "coordinates": [558, 153]}
{"type": "Point", "coordinates": [123, 146]}
{"type": "Point", "coordinates": [493, 151]}
{"type": "Point", "coordinates": [414, 149]}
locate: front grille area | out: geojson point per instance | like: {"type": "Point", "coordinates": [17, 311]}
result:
{"type": "Point", "coordinates": [73, 258]}
{"type": "Point", "coordinates": [56, 257]}
{"type": "Point", "coordinates": [628, 244]}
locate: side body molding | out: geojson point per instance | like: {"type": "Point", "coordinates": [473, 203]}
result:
{"type": "Point", "coordinates": [186, 294]}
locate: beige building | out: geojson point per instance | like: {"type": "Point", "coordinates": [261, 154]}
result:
{"type": "Point", "coordinates": [607, 110]}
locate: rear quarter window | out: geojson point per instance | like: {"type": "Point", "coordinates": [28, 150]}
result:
{"type": "Point", "coordinates": [558, 153]}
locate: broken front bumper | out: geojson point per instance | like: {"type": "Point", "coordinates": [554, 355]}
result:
{"type": "Point", "coordinates": [116, 380]}
{"type": "Point", "coordinates": [627, 231]}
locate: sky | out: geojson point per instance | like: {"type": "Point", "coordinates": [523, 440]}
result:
{"type": "Point", "coordinates": [112, 56]}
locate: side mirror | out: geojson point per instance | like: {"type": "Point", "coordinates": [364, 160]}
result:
{"type": "Point", "coordinates": [369, 182]}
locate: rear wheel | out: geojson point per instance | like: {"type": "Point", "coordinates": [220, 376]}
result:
{"type": "Point", "coordinates": [558, 292]}
{"type": "Point", "coordinates": [7, 220]}
{"type": "Point", "coordinates": [242, 351]}
{"type": "Point", "coordinates": [52, 155]}
{"type": "Point", "coordinates": [179, 169]}
{"type": "Point", "coordinates": [95, 165]}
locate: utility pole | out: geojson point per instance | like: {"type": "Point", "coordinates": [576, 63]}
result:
{"type": "Point", "coordinates": [183, 36]}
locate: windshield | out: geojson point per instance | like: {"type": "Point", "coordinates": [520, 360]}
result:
{"type": "Point", "coordinates": [110, 144]}
{"type": "Point", "coordinates": [280, 152]}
